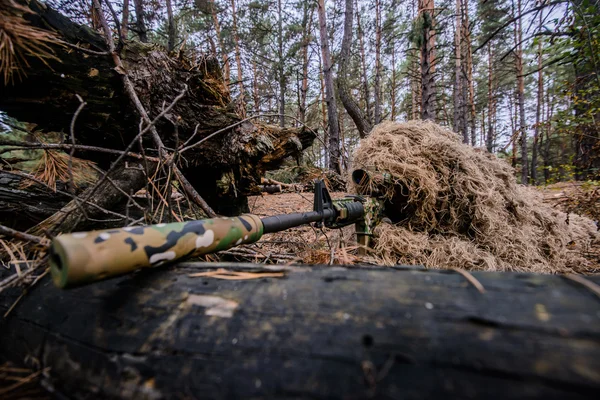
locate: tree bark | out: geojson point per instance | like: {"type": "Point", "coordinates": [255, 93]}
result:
{"type": "Point", "coordinates": [172, 33]}
{"type": "Point", "coordinates": [140, 24]}
{"type": "Point", "coordinates": [521, 98]}
{"type": "Point", "coordinates": [306, 36]}
{"type": "Point", "coordinates": [469, 75]}
{"type": "Point", "coordinates": [280, 65]}
{"type": "Point", "coordinates": [238, 58]}
{"type": "Point", "coordinates": [332, 115]}
{"type": "Point", "coordinates": [318, 332]}
{"type": "Point", "coordinates": [125, 20]}
{"type": "Point", "coordinates": [377, 83]}
{"type": "Point", "coordinates": [393, 81]}
{"type": "Point", "coordinates": [363, 63]}
{"type": "Point", "coordinates": [538, 111]}
{"type": "Point", "coordinates": [428, 96]}
{"type": "Point", "coordinates": [459, 121]}
{"type": "Point", "coordinates": [362, 124]}
{"type": "Point", "coordinates": [217, 26]}
{"type": "Point", "coordinates": [491, 102]}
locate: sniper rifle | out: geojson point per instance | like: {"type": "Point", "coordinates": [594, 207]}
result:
{"type": "Point", "coordinates": [84, 257]}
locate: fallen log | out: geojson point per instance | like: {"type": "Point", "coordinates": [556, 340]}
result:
{"type": "Point", "coordinates": [224, 169]}
{"type": "Point", "coordinates": [317, 332]}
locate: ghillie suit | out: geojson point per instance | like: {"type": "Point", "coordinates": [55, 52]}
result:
{"type": "Point", "coordinates": [455, 206]}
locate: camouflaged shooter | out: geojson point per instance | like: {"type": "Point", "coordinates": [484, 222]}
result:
{"type": "Point", "coordinates": [84, 257]}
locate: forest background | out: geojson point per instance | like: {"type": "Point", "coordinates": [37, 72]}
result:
{"type": "Point", "coordinates": [519, 78]}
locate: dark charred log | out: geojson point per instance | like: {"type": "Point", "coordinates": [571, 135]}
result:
{"type": "Point", "coordinates": [320, 332]}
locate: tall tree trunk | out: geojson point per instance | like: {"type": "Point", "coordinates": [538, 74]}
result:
{"type": "Point", "coordinates": [428, 95]}
{"type": "Point", "coordinates": [377, 86]}
{"type": "Point", "coordinates": [538, 111]}
{"type": "Point", "coordinates": [171, 27]}
{"type": "Point", "coordinates": [217, 25]}
{"type": "Point", "coordinates": [491, 102]}
{"type": "Point", "coordinates": [393, 88]}
{"type": "Point", "coordinates": [308, 19]}
{"type": "Point", "coordinates": [125, 19]}
{"type": "Point", "coordinates": [140, 24]}
{"type": "Point", "coordinates": [363, 63]}
{"type": "Point", "coordinates": [238, 55]}
{"type": "Point", "coordinates": [469, 67]}
{"type": "Point", "coordinates": [255, 92]}
{"type": "Point", "coordinates": [334, 132]}
{"type": "Point", "coordinates": [280, 65]}
{"type": "Point", "coordinates": [521, 98]}
{"type": "Point", "coordinates": [459, 122]}
{"type": "Point", "coordinates": [323, 112]}
{"type": "Point", "coordinates": [362, 124]}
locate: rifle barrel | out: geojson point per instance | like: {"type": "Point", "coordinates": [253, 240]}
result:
{"type": "Point", "coordinates": [282, 222]}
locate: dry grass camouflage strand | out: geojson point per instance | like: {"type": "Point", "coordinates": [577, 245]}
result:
{"type": "Point", "coordinates": [455, 206]}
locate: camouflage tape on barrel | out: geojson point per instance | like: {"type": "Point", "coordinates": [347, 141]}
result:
{"type": "Point", "coordinates": [84, 257]}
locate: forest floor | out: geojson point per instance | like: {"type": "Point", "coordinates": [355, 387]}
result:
{"type": "Point", "coordinates": [304, 243]}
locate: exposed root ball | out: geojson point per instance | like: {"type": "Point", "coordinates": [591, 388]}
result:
{"type": "Point", "coordinates": [454, 206]}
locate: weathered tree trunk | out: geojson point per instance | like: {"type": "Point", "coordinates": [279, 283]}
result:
{"type": "Point", "coordinates": [459, 121]}
{"type": "Point", "coordinates": [428, 95]}
{"type": "Point", "coordinates": [377, 83]}
{"type": "Point", "coordinates": [332, 114]}
{"type": "Point", "coordinates": [125, 19]}
{"type": "Point", "coordinates": [140, 24]}
{"type": "Point", "coordinates": [393, 81]}
{"type": "Point", "coordinates": [363, 63]}
{"type": "Point", "coordinates": [521, 98]}
{"type": "Point", "coordinates": [318, 332]}
{"type": "Point", "coordinates": [172, 33]}
{"type": "Point", "coordinates": [280, 65]}
{"type": "Point", "coordinates": [306, 39]}
{"type": "Point", "coordinates": [227, 162]}
{"type": "Point", "coordinates": [217, 25]}
{"type": "Point", "coordinates": [362, 123]}
{"type": "Point", "coordinates": [238, 57]}
{"type": "Point", "coordinates": [491, 102]}
{"type": "Point", "coordinates": [538, 111]}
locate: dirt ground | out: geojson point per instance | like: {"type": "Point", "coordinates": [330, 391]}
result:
{"type": "Point", "coordinates": [301, 244]}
